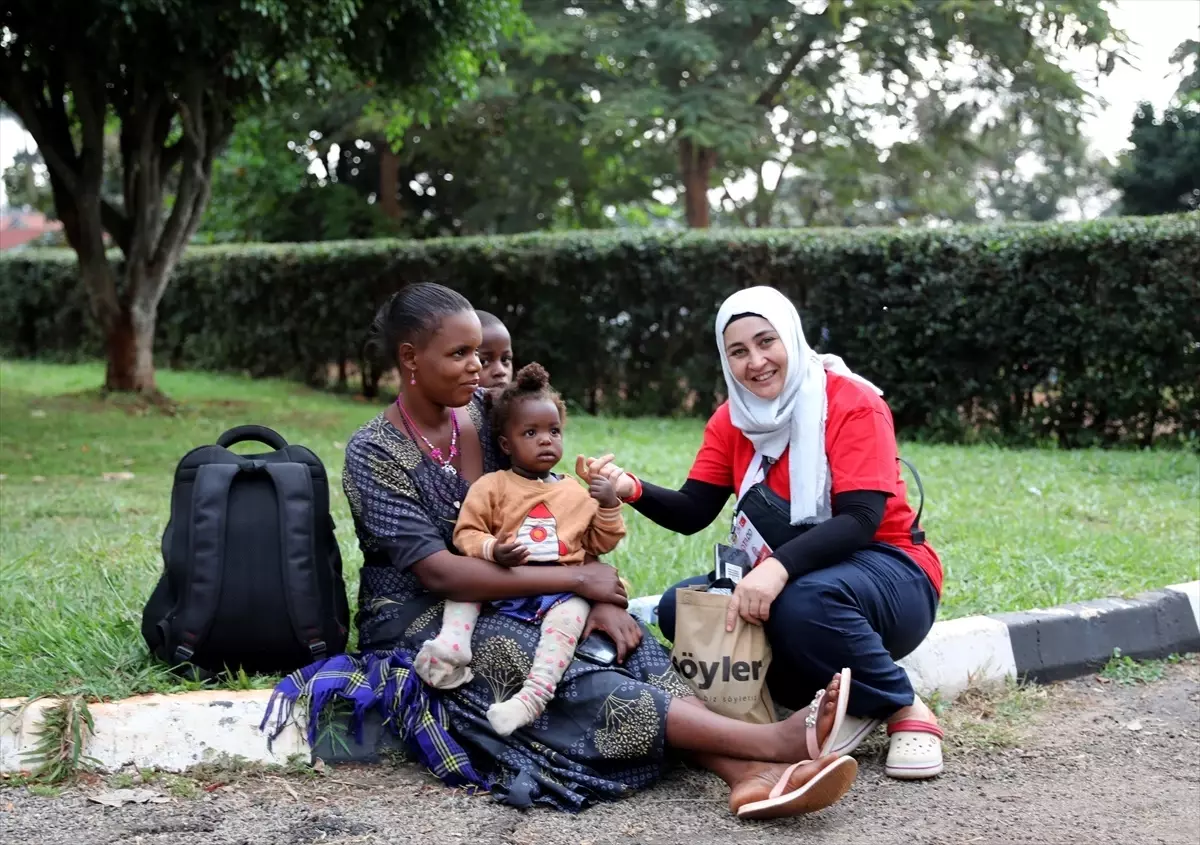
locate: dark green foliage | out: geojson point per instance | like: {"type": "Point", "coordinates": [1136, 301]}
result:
{"type": "Point", "coordinates": [1084, 333]}
{"type": "Point", "coordinates": [1161, 174]}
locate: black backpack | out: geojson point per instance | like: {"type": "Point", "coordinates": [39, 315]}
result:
{"type": "Point", "coordinates": [252, 574]}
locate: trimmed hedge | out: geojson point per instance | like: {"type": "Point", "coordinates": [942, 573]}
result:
{"type": "Point", "coordinates": [1085, 333]}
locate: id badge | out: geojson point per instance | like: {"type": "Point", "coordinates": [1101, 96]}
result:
{"type": "Point", "coordinates": [745, 536]}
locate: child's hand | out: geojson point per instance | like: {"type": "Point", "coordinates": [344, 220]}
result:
{"type": "Point", "coordinates": [602, 491]}
{"type": "Point", "coordinates": [510, 553]}
{"type": "Point", "coordinates": [589, 468]}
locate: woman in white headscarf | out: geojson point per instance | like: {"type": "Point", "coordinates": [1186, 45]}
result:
{"type": "Point", "coordinates": [843, 575]}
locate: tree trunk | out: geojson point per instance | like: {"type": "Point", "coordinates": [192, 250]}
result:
{"type": "Point", "coordinates": [121, 350]}
{"type": "Point", "coordinates": [764, 199]}
{"type": "Point", "coordinates": [129, 344]}
{"type": "Point", "coordinates": [149, 117]}
{"type": "Point", "coordinates": [389, 175]}
{"type": "Point", "coordinates": [695, 170]}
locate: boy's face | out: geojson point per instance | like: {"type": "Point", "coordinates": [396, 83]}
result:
{"type": "Point", "coordinates": [533, 438]}
{"type": "Point", "coordinates": [496, 357]}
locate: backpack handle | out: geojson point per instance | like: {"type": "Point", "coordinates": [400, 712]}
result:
{"type": "Point", "coordinates": [255, 433]}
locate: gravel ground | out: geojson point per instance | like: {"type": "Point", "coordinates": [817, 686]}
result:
{"type": "Point", "coordinates": [1088, 762]}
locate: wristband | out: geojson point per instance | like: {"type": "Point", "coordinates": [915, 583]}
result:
{"type": "Point", "coordinates": [637, 490]}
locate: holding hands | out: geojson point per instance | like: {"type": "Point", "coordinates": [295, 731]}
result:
{"type": "Point", "coordinates": [620, 482]}
{"type": "Point", "coordinates": [602, 491]}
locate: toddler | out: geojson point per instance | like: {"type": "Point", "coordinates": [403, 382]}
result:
{"type": "Point", "coordinates": [526, 515]}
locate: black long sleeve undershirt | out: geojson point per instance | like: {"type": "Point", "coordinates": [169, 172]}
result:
{"type": "Point", "coordinates": [856, 518]}
{"type": "Point", "coordinates": [693, 507]}
{"type": "Point", "coordinates": [688, 510]}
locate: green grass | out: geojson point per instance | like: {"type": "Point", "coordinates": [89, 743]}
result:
{"type": "Point", "coordinates": [1127, 672]}
{"type": "Point", "coordinates": [983, 718]}
{"type": "Point", "coordinates": [79, 555]}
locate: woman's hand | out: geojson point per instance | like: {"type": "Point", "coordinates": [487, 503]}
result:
{"type": "Point", "coordinates": [604, 467]}
{"type": "Point", "coordinates": [598, 583]}
{"type": "Point", "coordinates": [618, 624]}
{"type": "Point", "coordinates": [510, 552]}
{"type": "Point", "coordinates": [753, 595]}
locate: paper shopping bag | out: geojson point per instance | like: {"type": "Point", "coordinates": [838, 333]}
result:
{"type": "Point", "coordinates": [728, 670]}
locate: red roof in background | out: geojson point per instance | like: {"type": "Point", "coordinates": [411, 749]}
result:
{"type": "Point", "coordinates": [21, 227]}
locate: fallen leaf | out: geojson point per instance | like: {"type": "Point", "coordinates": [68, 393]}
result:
{"type": "Point", "coordinates": [1035, 491]}
{"type": "Point", "coordinates": [8, 807]}
{"type": "Point", "coordinates": [85, 448]}
{"type": "Point", "coordinates": [118, 476]}
{"type": "Point", "coordinates": [1135, 725]}
{"type": "Point", "coordinates": [37, 414]}
{"type": "Point", "coordinates": [318, 766]}
{"type": "Point", "coordinates": [38, 479]}
{"type": "Point", "coordinates": [121, 797]}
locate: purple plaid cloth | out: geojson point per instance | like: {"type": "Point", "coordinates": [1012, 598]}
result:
{"type": "Point", "coordinates": [386, 681]}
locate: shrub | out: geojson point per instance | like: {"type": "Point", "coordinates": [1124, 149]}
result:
{"type": "Point", "coordinates": [1084, 333]}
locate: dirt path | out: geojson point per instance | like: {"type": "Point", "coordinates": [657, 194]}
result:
{"type": "Point", "coordinates": [1091, 762]}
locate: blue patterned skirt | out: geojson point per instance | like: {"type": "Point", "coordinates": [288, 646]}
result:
{"type": "Point", "coordinates": [601, 738]}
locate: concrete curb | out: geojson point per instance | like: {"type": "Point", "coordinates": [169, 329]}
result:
{"type": "Point", "coordinates": [168, 732]}
{"type": "Point", "coordinates": [1065, 642]}
{"type": "Point", "coordinates": [175, 732]}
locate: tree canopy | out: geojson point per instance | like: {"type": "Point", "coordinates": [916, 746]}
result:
{"type": "Point", "coordinates": [1161, 174]}
{"type": "Point", "coordinates": [169, 79]}
{"type": "Point", "coordinates": [613, 113]}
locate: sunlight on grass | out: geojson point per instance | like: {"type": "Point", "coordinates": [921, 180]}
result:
{"type": "Point", "coordinates": [79, 554]}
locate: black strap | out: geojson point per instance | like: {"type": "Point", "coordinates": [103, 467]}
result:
{"type": "Point", "coordinates": [206, 550]}
{"type": "Point", "coordinates": [918, 536]}
{"type": "Point", "coordinates": [294, 492]}
{"type": "Point", "coordinates": [255, 433]}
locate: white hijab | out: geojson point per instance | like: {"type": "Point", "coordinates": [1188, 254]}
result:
{"type": "Point", "coordinates": [797, 416]}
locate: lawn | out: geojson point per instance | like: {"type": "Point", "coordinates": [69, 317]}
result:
{"type": "Point", "coordinates": [79, 553]}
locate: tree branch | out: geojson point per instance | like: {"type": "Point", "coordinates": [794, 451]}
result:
{"type": "Point", "coordinates": [171, 156]}
{"type": "Point", "coordinates": [770, 94]}
{"type": "Point", "coordinates": [57, 148]}
{"type": "Point", "coordinates": [39, 99]}
{"type": "Point", "coordinates": [116, 224]}
{"type": "Point", "coordinates": [88, 96]}
{"type": "Point", "coordinates": [152, 136]}
{"type": "Point", "coordinates": [206, 127]}
{"type": "Point", "coordinates": [738, 209]}
{"type": "Point", "coordinates": [190, 106]}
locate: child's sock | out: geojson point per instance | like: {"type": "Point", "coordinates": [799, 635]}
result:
{"type": "Point", "coordinates": [561, 628]}
{"type": "Point", "coordinates": [442, 661]}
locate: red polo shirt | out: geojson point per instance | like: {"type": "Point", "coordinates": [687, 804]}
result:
{"type": "Point", "coordinates": [860, 442]}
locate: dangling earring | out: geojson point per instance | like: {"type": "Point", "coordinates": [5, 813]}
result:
{"type": "Point", "coordinates": [412, 379]}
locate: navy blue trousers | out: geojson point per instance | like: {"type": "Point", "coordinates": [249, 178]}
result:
{"type": "Point", "coordinates": [864, 613]}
